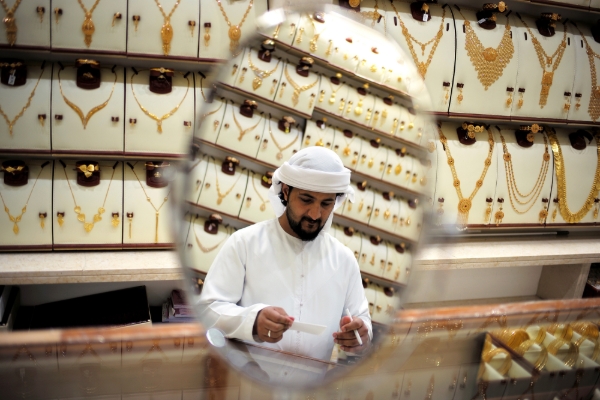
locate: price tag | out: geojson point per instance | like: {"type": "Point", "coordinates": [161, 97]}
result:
{"type": "Point", "coordinates": [481, 21]}
{"type": "Point", "coordinates": [11, 79]}
{"type": "Point", "coordinates": [425, 17]}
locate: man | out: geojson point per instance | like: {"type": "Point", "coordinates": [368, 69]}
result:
{"type": "Point", "coordinates": [288, 269]}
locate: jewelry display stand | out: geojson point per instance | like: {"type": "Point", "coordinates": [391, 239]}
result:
{"type": "Point", "coordinates": [530, 73]}
{"type": "Point", "coordinates": [259, 78]}
{"type": "Point", "coordinates": [32, 31]}
{"type": "Point", "coordinates": [373, 255]}
{"type": "Point", "coordinates": [318, 133]}
{"type": "Point", "coordinates": [222, 33]}
{"type": "Point", "coordinates": [487, 56]}
{"type": "Point", "coordinates": [332, 97]}
{"type": "Point", "coordinates": [583, 85]}
{"type": "Point", "coordinates": [373, 159]}
{"type": "Point", "coordinates": [580, 173]}
{"type": "Point", "coordinates": [149, 36]}
{"type": "Point", "coordinates": [256, 206]}
{"type": "Point", "coordinates": [36, 195]}
{"type": "Point", "coordinates": [149, 228]}
{"type": "Point", "coordinates": [203, 246]}
{"type": "Point", "coordinates": [386, 211]}
{"type": "Point", "coordinates": [348, 146]}
{"type": "Point", "coordinates": [31, 131]}
{"type": "Point", "coordinates": [436, 72]}
{"type": "Point", "coordinates": [362, 208]}
{"type": "Point", "coordinates": [398, 263]}
{"type": "Point", "coordinates": [73, 233]}
{"type": "Point", "coordinates": [174, 109]}
{"type": "Point", "coordinates": [99, 127]}
{"type": "Point", "coordinates": [306, 98]}
{"type": "Point", "coordinates": [196, 175]}
{"type": "Point", "coordinates": [228, 195]}
{"type": "Point", "coordinates": [240, 133]}
{"type": "Point", "coordinates": [210, 121]}
{"type": "Point", "coordinates": [104, 31]}
{"type": "Point", "coordinates": [277, 146]}
{"type": "Point", "coordinates": [530, 176]}
{"type": "Point", "coordinates": [349, 238]}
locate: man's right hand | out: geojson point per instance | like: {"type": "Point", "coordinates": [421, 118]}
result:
{"type": "Point", "coordinates": [274, 320]}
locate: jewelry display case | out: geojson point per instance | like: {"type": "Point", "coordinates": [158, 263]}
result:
{"type": "Point", "coordinates": [25, 30]}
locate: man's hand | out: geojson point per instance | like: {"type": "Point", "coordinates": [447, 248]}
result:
{"type": "Point", "coordinates": [346, 338]}
{"type": "Point", "coordinates": [274, 320]}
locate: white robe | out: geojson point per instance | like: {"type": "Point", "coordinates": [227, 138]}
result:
{"type": "Point", "coordinates": [262, 265]}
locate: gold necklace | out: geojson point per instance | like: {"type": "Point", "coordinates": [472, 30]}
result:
{"type": "Point", "coordinates": [347, 150]}
{"type": "Point", "coordinates": [88, 27]}
{"type": "Point", "coordinates": [260, 73]}
{"type": "Point", "coordinates": [546, 60]}
{"type": "Point", "coordinates": [88, 226]}
{"type": "Point", "coordinates": [12, 123]}
{"type": "Point", "coordinates": [279, 155]}
{"type": "Point", "coordinates": [207, 249]}
{"type": "Point", "coordinates": [208, 114]}
{"type": "Point", "coordinates": [157, 210]}
{"type": "Point", "coordinates": [465, 203]}
{"type": "Point", "coordinates": [9, 21]}
{"type": "Point", "coordinates": [594, 105]}
{"type": "Point", "coordinates": [17, 219]}
{"type": "Point", "coordinates": [239, 126]}
{"type": "Point", "coordinates": [85, 118]}
{"type": "Point", "coordinates": [421, 66]}
{"type": "Point", "coordinates": [559, 165]}
{"type": "Point", "coordinates": [333, 92]}
{"type": "Point", "coordinates": [235, 31]}
{"type": "Point", "coordinates": [166, 32]}
{"type": "Point", "coordinates": [159, 120]}
{"type": "Point", "coordinates": [513, 191]}
{"type": "Point", "coordinates": [297, 88]}
{"type": "Point", "coordinates": [488, 62]}
{"type": "Point", "coordinates": [221, 196]}
{"type": "Point", "coordinates": [263, 206]}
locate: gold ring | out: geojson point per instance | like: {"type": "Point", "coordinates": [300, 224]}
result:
{"type": "Point", "coordinates": [269, 334]}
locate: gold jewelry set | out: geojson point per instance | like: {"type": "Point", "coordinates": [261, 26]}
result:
{"type": "Point", "coordinates": [16, 219]}
{"type": "Point", "coordinates": [297, 88]}
{"type": "Point", "coordinates": [203, 248]}
{"type": "Point", "coordinates": [11, 122]}
{"type": "Point", "coordinates": [220, 195]}
{"type": "Point", "coordinates": [239, 126]}
{"type": "Point", "coordinates": [281, 149]}
{"type": "Point", "coordinates": [260, 74]}
{"type": "Point", "coordinates": [10, 24]}
{"type": "Point", "coordinates": [235, 31]}
{"type": "Point", "coordinates": [149, 200]}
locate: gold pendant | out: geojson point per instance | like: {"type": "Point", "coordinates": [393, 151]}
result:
{"type": "Point", "coordinates": [88, 29]}
{"type": "Point", "coordinates": [219, 200]}
{"type": "Point", "coordinates": [11, 28]}
{"type": "Point", "coordinates": [166, 34]}
{"type": "Point", "coordinates": [16, 228]}
{"type": "Point", "coordinates": [159, 126]}
{"type": "Point", "coordinates": [88, 226]}
{"type": "Point", "coordinates": [234, 33]}
{"type": "Point", "coordinates": [279, 156]}
{"type": "Point", "coordinates": [313, 45]}
{"type": "Point", "coordinates": [322, 96]}
{"type": "Point", "coordinates": [256, 83]}
{"type": "Point", "coordinates": [547, 80]}
{"type": "Point", "coordinates": [360, 205]}
{"type": "Point", "coordinates": [332, 98]}
{"type": "Point", "coordinates": [115, 220]}
{"type": "Point", "coordinates": [319, 143]}
{"type": "Point", "coordinates": [347, 151]}
{"type": "Point", "coordinates": [263, 207]}
{"type": "Point", "coordinates": [371, 162]}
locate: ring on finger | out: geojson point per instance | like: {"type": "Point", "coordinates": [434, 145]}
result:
{"type": "Point", "coordinates": [269, 334]}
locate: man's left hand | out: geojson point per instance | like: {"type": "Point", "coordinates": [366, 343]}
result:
{"type": "Point", "coordinates": [346, 338]}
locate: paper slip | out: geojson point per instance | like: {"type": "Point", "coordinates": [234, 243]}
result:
{"type": "Point", "coordinates": [308, 328]}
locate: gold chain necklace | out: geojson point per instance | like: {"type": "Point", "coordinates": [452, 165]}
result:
{"type": "Point", "coordinates": [11, 124]}
{"type": "Point", "coordinates": [333, 92]}
{"type": "Point", "coordinates": [465, 203]}
{"type": "Point", "coordinates": [279, 155]}
{"type": "Point", "coordinates": [221, 196]}
{"type": "Point", "coordinates": [88, 27]}
{"type": "Point", "coordinates": [260, 73]}
{"type": "Point", "coordinates": [297, 88]}
{"type": "Point", "coordinates": [488, 62]}
{"type": "Point", "coordinates": [17, 219]}
{"type": "Point", "coordinates": [239, 126]}
{"type": "Point", "coordinates": [235, 31]}
{"type": "Point", "coordinates": [421, 66]}
{"type": "Point", "coordinates": [88, 226]}
{"type": "Point", "coordinates": [594, 105]}
{"type": "Point", "coordinates": [559, 165]}
{"type": "Point", "coordinates": [85, 118]}
{"type": "Point", "coordinates": [263, 206]}
{"type": "Point", "coordinates": [347, 150]}
{"type": "Point", "coordinates": [9, 21]}
{"type": "Point", "coordinates": [207, 249]}
{"type": "Point", "coordinates": [546, 60]}
{"type": "Point", "coordinates": [157, 210]}
{"type": "Point", "coordinates": [511, 183]}
{"type": "Point", "coordinates": [159, 120]}
{"type": "Point", "coordinates": [208, 114]}
{"type": "Point", "coordinates": [166, 32]}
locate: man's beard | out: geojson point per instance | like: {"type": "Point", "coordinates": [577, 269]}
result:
{"type": "Point", "coordinates": [297, 226]}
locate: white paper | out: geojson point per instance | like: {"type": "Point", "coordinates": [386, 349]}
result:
{"type": "Point", "coordinates": [308, 328]}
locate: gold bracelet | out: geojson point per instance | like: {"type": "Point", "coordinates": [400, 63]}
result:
{"type": "Point", "coordinates": [541, 361]}
{"type": "Point", "coordinates": [505, 367]}
{"type": "Point", "coordinates": [501, 6]}
{"type": "Point", "coordinates": [514, 338]}
{"type": "Point", "coordinates": [572, 354]}
{"type": "Point", "coordinates": [585, 329]}
{"type": "Point", "coordinates": [534, 128]}
{"type": "Point", "coordinates": [561, 331]}
{"type": "Point", "coordinates": [596, 351]}
{"type": "Point", "coordinates": [472, 129]}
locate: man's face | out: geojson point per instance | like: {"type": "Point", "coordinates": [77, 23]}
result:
{"type": "Point", "coordinates": [307, 211]}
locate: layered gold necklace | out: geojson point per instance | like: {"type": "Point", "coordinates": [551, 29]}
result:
{"type": "Point", "coordinates": [559, 165]}
{"type": "Point", "coordinates": [88, 226]}
{"type": "Point", "coordinates": [465, 203]}
{"type": "Point", "coordinates": [156, 210]}
{"type": "Point", "coordinates": [16, 219]}
{"type": "Point", "coordinates": [489, 62]}
{"type": "Point", "coordinates": [297, 88]}
{"type": "Point", "coordinates": [85, 118]}
{"type": "Point", "coordinates": [88, 27]}
{"type": "Point", "coordinates": [235, 31]}
{"type": "Point", "coordinates": [547, 61]}
{"type": "Point", "coordinates": [11, 123]}
{"type": "Point", "coordinates": [159, 120]}
{"type": "Point", "coordinates": [514, 193]}
{"type": "Point", "coordinates": [421, 66]}
{"type": "Point", "coordinates": [166, 31]}
{"type": "Point", "coordinates": [260, 74]}
{"type": "Point", "coordinates": [10, 23]}
{"type": "Point", "coordinates": [594, 105]}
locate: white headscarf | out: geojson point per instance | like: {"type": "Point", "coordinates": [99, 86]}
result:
{"type": "Point", "coordinates": [316, 169]}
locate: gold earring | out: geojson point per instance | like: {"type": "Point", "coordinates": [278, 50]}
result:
{"type": "Point", "coordinates": [328, 52]}
{"type": "Point", "coordinates": [509, 98]}
{"type": "Point", "coordinates": [299, 39]}
{"type": "Point", "coordinates": [57, 13]}
{"type": "Point", "coordinates": [446, 94]}
{"type": "Point", "coordinates": [597, 201]}
{"type": "Point", "coordinates": [368, 116]}
{"type": "Point", "coordinates": [216, 125]}
{"type": "Point", "coordinates": [207, 27]}
{"type": "Point", "coordinates": [283, 85]}
{"type": "Point", "coordinates": [542, 216]}
{"type": "Point", "coordinates": [307, 140]}
{"type": "Point", "coordinates": [376, 117]}
{"type": "Point", "coordinates": [116, 16]}
{"type": "Point", "coordinates": [488, 211]}
{"type": "Point", "coordinates": [389, 169]}
{"type": "Point", "coordinates": [394, 126]}
{"type": "Point", "coordinates": [235, 68]}
{"type": "Point", "coordinates": [60, 218]}
{"type": "Point", "coordinates": [322, 96]}
{"type": "Point", "coordinates": [402, 125]}
{"type": "Point", "coordinates": [312, 100]}
{"type": "Point", "coordinates": [136, 21]}
{"type": "Point", "coordinates": [376, 214]}
{"type": "Point", "coordinates": [243, 73]}
{"type": "Point", "coordinates": [460, 97]}
{"type": "Point", "coordinates": [43, 219]}
{"type": "Point", "coordinates": [342, 104]}
{"type": "Point", "coordinates": [440, 212]}
{"type": "Point", "coordinates": [40, 11]}
{"type": "Point", "coordinates": [115, 219]}
{"type": "Point", "coordinates": [272, 91]}
{"type": "Point", "coordinates": [349, 107]}
{"type": "Point", "coordinates": [577, 101]}
{"type": "Point", "coordinates": [414, 178]}
{"type": "Point", "coordinates": [130, 218]}
{"type": "Point", "coordinates": [499, 215]}
{"type": "Point", "coordinates": [521, 100]}
{"type": "Point", "coordinates": [349, 206]}
{"type": "Point", "coordinates": [248, 201]}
